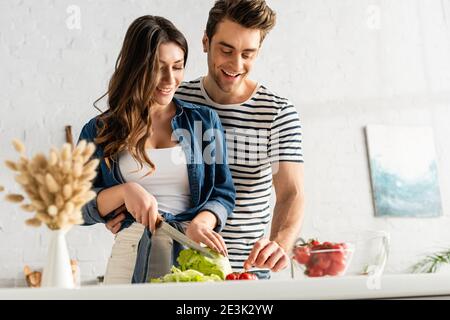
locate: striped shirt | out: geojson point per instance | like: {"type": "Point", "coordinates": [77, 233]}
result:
{"type": "Point", "coordinates": [260, 132]}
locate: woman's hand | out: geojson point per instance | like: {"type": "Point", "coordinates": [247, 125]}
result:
{"type": "Point", "coordinates": [201, 230]}
{"type": "Point", "coordinates": [141, 204]}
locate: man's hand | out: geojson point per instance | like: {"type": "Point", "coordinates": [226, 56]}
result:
{"type": "Point", "coordinates": [114, 224]}
{"type": "Point", "coordinates": [267, 254]}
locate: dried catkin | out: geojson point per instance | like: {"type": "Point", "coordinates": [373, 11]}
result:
{"type": "Point", "coordinates": [88, 152]}
{"type": "Point", "coordinates": [23, 164]}
{"type": "Point", "coordinates": [15, 198]}
{"type": "Point", "coordinates": [67, 192]}
{"type": "Point", "coordinates": [65, 153]}
{"type": "Point", "coordinates": [53, 158]}
{"type": "Point", "coordinates": [22, 179]}
{"type": "Point", "coordinates": [31, 190]}
{"type": "Point", "coordinates": [57, 187]}
{"type": "Point", "coordinates": [34, 222]}
{"type": "Point", "coordinates": [52, 210]}
{"type": "Point", "coordinates": [88, 176]}
{"type": "Point", "coordinates": [79, 149]}
{"type": "Point", "coordinates": [77, 169]}
{"type": "Point", "coordinates": [28, 207]}
{"type": "Point", "coordinates": [45, 195]}
{"type": "Point", "coordinates": [40, 162]}
{"type": "Point", "coordinates": [40, 178]}
{"type": "Point", "coordinates": [51, 183]}
{"type": "Point", "coordinates": [67, 167]}
{"type": "Point", "coordinates": [38, 204]}
{"type": "Point", "coordinates": [44, 217]}
{"type": "Point", "coordinates": [18, 145]}
{"type": "Point", "coordinates": [59, 201]}
{"type": "Point", "coordinates": [91, 166]}
{"type": "Point", "coordinates": [11, 165]}
{"type": "Point", "coordinates": [69, 207]}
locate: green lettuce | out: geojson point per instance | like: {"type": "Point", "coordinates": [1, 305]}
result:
{"type": "Point", "coordinates": [192, 259]}
{"type": "Point", "coordinates": [194, 267]}
{"type": "Point", "coordinates": [190, 275]}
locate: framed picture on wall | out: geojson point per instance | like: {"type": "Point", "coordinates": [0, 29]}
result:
{"type": "Point", "coordinates": [403, 171]}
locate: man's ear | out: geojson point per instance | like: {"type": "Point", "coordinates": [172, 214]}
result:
{"type": "Point", "coordinates": [205, 42]}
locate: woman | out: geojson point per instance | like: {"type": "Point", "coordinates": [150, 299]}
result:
{"type": "Point", "coordinates": [159, 156]}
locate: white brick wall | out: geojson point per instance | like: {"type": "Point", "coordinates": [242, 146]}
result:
{"type": "Point", "coordinates": [344, 63]}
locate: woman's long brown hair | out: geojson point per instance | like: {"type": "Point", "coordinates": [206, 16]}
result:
{"type": "Point", "coordinates": [126, 124]}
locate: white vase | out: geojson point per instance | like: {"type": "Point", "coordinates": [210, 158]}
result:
{"type": "Point", "coordinates": [58, 271]}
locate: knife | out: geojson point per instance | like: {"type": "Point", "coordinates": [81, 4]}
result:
{"type": "Point", "coordinates": [181, 237]}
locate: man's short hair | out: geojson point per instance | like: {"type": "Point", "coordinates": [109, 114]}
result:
{"type": "Point", "coordinates": [252, 14]}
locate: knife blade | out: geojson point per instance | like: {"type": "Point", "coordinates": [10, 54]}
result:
{"type": "Point", "coordinates": [181, 237]}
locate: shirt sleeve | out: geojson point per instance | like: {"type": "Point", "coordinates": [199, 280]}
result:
{"type": "Point", "coordinates": [223, 196]}
{"type": "Point", "coordinates": [90, 211]}
{"type": "Point", "coordinates": [285, 141]}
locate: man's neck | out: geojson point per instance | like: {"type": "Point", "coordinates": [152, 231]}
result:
{"type": "Point", "coordinates": [236, 97]}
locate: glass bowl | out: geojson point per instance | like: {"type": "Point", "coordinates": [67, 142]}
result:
{"type": "Point", "coordinates": [371, 252]}
{"type": "Point", "coordinates": [323, 260]}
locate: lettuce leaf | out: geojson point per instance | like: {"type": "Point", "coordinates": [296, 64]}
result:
{"type": "Point", "coordinates": [189, 275]}
{"type": "Point", "coordinates": [192, 259]}
{"type": "Point", "coordinates": [194, 267]}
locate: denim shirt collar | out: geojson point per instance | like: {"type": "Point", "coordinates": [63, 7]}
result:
{"type": "Point", "coordinates": [180, 104]}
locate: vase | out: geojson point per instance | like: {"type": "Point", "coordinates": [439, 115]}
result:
{"type": "Point", "coordinates": [57, 272]}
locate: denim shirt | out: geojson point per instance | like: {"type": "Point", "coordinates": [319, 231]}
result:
{"type": "Point", "coordinates": [200, 134]}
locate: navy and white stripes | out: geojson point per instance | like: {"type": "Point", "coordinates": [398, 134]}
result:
{"type": "Point", "coordinates": [260, 132]}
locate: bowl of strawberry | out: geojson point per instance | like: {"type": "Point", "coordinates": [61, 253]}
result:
{"type": "Point", "coordinates": [321, 259]}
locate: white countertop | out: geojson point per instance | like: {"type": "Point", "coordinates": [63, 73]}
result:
{"type": "Point", "coordinates": [351, 287]}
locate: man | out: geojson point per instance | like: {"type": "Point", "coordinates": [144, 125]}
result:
{"type": "Point", "coordinates": [263, 134]}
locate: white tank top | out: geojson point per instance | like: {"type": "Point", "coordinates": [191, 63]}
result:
{"type": "Point", "coordinates": [169, 183]}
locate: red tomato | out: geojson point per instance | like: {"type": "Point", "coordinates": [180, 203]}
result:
{"type": "Point", "coordinates": [339, 254]}
{"type": "Point", "coordinates": [323, 261]}
{"type": "Point", "coordinates": [331, 271]}
{"type": "Point", "coordinates": [314, 243]}
{"type": "Point", "coordinates": [315, 247]}
{"type": "Point", "coordinates": [336, 268]}
{"type": "Point", "coordinates": [302, 254]}
{"type": "Point", "coordinates": [315, 272]}
{"type": "Point", "coordinates": [232, 276]}
{"type": "Point", "coordinates": [327, 245]}
{"type": "Point", "coordinates": [248, 276]}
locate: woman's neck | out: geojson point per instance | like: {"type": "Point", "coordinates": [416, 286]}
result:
{"type": "Point", "coordinates": [158, 111]}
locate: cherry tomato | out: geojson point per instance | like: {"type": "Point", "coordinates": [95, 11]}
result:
{"type": "Point", "coordinates": [331, 271]}
{"type": "Point", "coordinates": [314, 243]}
{"type": "Point", "coordinates": [247, 276]}
{"type": "Point", "coordinates": [323, 261]}
{"type": "Point", "coordinates": [302, 254]}
{"type": "Point", "coordinates": [336, 268]}
{"type": "Point", "coordinates": [232, 276]}
{"type": "Point", "coordinates": [337, 256]}
{"type": "Point", "coordinates": [315, 272]}
{"type": "Point", "coordinates": [327, 245]}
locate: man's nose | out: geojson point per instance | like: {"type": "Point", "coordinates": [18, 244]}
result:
{"type": "Point", "coordinates": [237, 62]}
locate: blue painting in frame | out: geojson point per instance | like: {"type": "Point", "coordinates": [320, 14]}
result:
{"type": "Point", "coordinates": [403, 171]}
